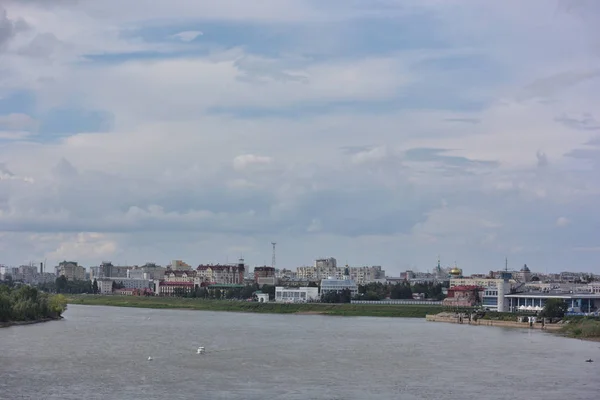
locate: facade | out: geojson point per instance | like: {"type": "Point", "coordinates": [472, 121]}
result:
{"type": "Point", "coordinates": [296, 294]}
{"type": "Point", "coordinates": [221, 274]}
{"type": "Point", "coordinates": [337, 285]}
{"type": "Point", "coordinates": [105, 285]}
{"type": "Point", "coordinates": [140, 284]}
{"type": "Point", "coordinates": [108, 270]}
{"type": "Point", "coordinates": [166, 288]}
{"type": "Point", "coordinates": [262, 297]}
{"type": "Point", "coordinates": [364, 275]}
{"type": "Point", "coordinates": [265, 275]}
{"type": "Point", "coordinates": [462, 296]}
{"type": "Point", "coordinates": [535, 301]}
{"type": "Point", "coordinates": [180, 276]}
{"type": "Point", "coordinates": [71, 271]}
{"type": "Point", "coordinates": [147, 271]}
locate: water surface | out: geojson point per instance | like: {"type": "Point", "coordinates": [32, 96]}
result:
{"type": "Point", "coordinates": [101, 353]}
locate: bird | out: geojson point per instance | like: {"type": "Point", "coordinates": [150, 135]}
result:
{"type": "Point", "coordinates": [200, 350]}
{"type": "Point", "coordinates": [149, 358]}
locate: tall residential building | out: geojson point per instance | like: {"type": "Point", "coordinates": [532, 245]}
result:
{"type": "Point", "coordinates": [71, 271]}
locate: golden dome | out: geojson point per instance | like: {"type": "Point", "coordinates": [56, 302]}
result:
{"type": "Point", "coordinates": [455, 271]}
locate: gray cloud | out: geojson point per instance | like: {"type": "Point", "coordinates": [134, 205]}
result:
{"type": "Point", "coordinates": [437, 155]}
{"type": "Point", "coordinates": [585, 122]}
{"type": "Point", "coordinates": [542, 159]}
{"type": "Point", "coordinates": [549, 86]}
{"type": "Point", "coordinates": [9, 28]}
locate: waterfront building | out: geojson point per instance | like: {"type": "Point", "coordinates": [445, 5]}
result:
{"type": "Point", "coordinates": [494, 296]}
{"type": "Point", "coordinates": [129, 283]}
{"type": "Point", "coordinates": [262, 297]}
{"type": "Point", "coordinates": [330, 285]}
{"type": "Point", "coordinates": [221, 274]}
{"type": "Point", "coordinates": [535, 301]}
{"type": "Point", "coordinates": [296, 294]}
{"type": "Point", "coordinates": [171, 288]}
{"type": "Point", "coordinates": [462, 296]}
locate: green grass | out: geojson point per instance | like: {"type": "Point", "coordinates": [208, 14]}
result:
{"type": "Point", "coordinates": [355, 310]}
{"type": "Point", "coordinates": [583, 328]}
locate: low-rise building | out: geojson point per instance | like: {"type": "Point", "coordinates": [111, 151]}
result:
{"type": "Point", "coordinates": [296, 294]}
{"type": "Point", "coordinates": [171, 288]}
{"type": "Point", "coordinates": [462, 296]}
{"type": "Point", "coordinates": [338, 285]}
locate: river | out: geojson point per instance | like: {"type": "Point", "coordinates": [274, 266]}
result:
{"type": "Point", "coordinates": [102, 353]}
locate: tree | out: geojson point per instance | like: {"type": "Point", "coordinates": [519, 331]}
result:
{"type": "Point", "coordinates": [61, 284]}
{"type": "Point", "coordinates": [270, 290]}
{"type": "Point", "coordinates": [401, 291]}
{"type": "Point", "coordinates": [554, 308]}
{"type": "Point", "coordinates": [95, 286]}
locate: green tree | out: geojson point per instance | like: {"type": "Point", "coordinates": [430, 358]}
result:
{"type": "Point", "coordinates": [554, 308]}
{"type": "Point", "coordinates": [401, 291]}
{"type": "Point", "coordinates": [270, 290]}
{"type": "Point", "coordinates": [95, 286]}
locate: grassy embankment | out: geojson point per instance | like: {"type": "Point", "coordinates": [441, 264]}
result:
{"type": "Point", "coordinates": [582, 328]}
{"type": "Point", "coordinates": [367, 310]}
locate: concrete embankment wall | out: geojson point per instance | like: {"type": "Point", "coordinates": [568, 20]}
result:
{"type": "Point", "coordinates": [464, 319]}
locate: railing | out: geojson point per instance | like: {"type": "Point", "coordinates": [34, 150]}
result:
{"type": "Point", "coordinates": [403, 302]}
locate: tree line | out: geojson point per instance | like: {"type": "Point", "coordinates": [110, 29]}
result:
{"type": "Point", "coordinates": [27, 303]}
{"type": "Point", "coordinates": [403, 290]}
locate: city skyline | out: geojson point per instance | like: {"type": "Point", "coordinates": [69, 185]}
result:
{"type": "Point", "coordinates": [385, 133]}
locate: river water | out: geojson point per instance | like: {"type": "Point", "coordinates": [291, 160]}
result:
{"type": "Point", "coordinates": [102, 353]}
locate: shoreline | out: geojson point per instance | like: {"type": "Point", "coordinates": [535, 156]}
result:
{"type": "Point", "coordinates": [562, 330]}
{"type": "Point", "coordinates": [8, 324]}
{"type": "Point", "coordinates": [346, 309]}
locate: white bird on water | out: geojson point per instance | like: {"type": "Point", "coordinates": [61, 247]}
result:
{"type": "Point", "coordinates": [149, 358]}
{"type": "Point", "coordinates": [200, 350]}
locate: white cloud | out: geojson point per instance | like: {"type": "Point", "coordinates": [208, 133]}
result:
{"type": "Point", "coordinates": [245, 161]}
{"type": "Point", "coordinates": [187, 36]}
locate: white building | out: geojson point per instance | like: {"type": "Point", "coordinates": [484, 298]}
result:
{"type": "Point", "coordinates": [296, 294]}
{"type": "Point", "coordinates": [105, 285]}
{"type": "Point", "coordinates": [262, 297]}
{"type": "Point", "coordinates": [337, 285]}
{"type": "Point", "coordinates": [130, 283]}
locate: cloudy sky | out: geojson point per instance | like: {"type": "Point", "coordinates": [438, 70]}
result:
{"type": "Point", "coordinates": [379, 132]}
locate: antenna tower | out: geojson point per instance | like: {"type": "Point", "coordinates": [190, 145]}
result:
{"type": "Point", "coordinates": [273, 258]}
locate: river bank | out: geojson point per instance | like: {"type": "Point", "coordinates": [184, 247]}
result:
{"type": "Point", "coordinates": [575, 328]}
{"type": "Point", "coordinates": [7, 324]}
{"type": "Point", "coordinates": [462, 319]}
{"type": "Point", "coordinates": [355, 310]}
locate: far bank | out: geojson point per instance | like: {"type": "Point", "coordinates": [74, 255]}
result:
{"type": "Point", "coordinates": [356, 310]}
{"type": "Point", "coordinates": [576, 328]}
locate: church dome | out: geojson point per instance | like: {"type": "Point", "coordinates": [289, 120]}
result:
{"type": "Point", "coordinates": [525, 268]}
{"type": "Point", "coordinates": [455, 271]}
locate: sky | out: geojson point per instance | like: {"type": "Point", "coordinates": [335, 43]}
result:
{"type": "Point", "coordinates": [378, 132]}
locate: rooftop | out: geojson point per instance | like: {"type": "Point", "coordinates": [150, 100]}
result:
{"type": "Point", "coordinates": [555, 295]}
